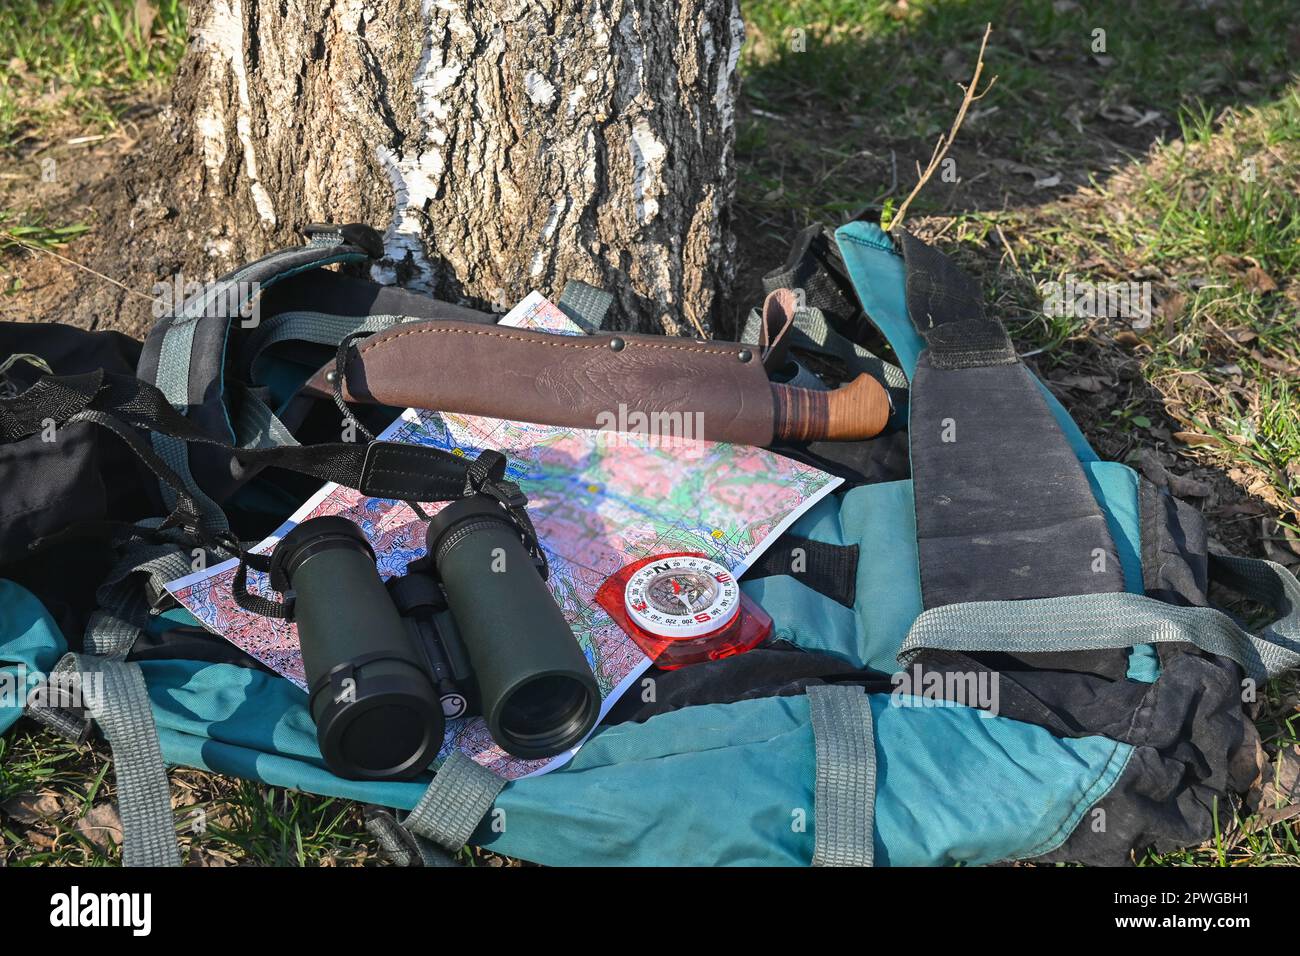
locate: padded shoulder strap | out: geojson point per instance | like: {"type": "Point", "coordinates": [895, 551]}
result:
{"type": "Point", "coordinates": [1004, 510]}
{"type": "Point", "coordinates": [185, 352]}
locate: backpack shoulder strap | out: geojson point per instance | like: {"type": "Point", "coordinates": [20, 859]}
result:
{"type": "Point", "coordinates": [184, 354]}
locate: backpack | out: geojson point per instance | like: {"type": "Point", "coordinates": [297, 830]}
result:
{"type": "Point", "coordinates": [1001, 647]}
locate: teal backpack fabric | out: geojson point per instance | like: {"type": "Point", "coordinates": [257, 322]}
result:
{"type": "Point", "coordinates": [887, 759]}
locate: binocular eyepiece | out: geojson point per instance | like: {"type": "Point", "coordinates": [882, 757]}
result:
{"type": "Point", "coordinates": [470, 629]}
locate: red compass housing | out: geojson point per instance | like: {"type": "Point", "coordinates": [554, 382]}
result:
{"type": "Point", "coordinates": [683, 608]}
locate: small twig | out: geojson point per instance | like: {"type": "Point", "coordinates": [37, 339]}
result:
{"type": "Point", "coordinates": [10, 237]}
{"type": "Point", "coordinates": [945, 142]}
{"type": "Point", "coordinates": [1007, 246]}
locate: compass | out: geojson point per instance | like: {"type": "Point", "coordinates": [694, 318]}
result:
{"type": "Point", "coordinates": [683, 608]}
{"type": "Point", "coordinates": [682, 596]}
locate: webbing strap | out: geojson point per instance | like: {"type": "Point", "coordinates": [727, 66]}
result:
{"type": "Point", "coordinates": [812, 333]}
{"type": "Point", "coordinates": [845, 789]}
{"type": "Point", "coordinates": [402, 846]}
{"type": "Point", "coordinates": [109, 636]}
{"type": "Point", "coordinates": [175, 453]}
{"type": "Point", "coordinates": [119, 703]}
{"type": "Point", "coordinates": [1116, 620]}
{"type": "Point", "coordinates": [377, 469]}
{"type": "Point", "coordinates": [814, 265]}
{"type": "Point", "coordinates": [122, 593]}
{"type": "Point", "coordinates": [458, 798]}
{"type": "Point", "coordinates": [585, 304]}
{"type": "Point", "coordinates": [319, 328]}
{"type": "Point", "coordinates": [256, 426]}
{"type": "Point", "coordinates": [829, 569]}
{"type": "Point", "coordinates": [185, 352]}
{"type": "Point", "coordinates": [173, 380]}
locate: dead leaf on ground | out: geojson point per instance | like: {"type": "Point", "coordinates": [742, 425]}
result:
{"type": "Point", "coordinates": [1257, 280]}
{"type": "Point", "coordinates": [1282, 779]}
{"type": "Point", "coordinates": [32, 807]}
{"type": "Point", "coordinates": [1195, 439]}
{"type": "Point", "coordinates": [101, 826]}
{"type": "Point", "coordinates": [1276, 551]}
{"type": "Point", "coordinates": [1170, 310]}
{"type": "Point", "coordinates": [1152, 468]}
{"type": "Point", "coordinates": [38, 840]}
{"type": "Point", "coordinates": [1230, 263]}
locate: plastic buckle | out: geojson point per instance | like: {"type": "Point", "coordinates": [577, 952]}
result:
{"type": "Point", "coordinates": [47, 703]}
{"type": "Point", "coordinates": [508, 493]}
{"type": "Point", "coordinates": [364, 237]}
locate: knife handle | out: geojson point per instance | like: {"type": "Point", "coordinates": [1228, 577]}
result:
{"type": "Point", "coordinates": [851, 412]}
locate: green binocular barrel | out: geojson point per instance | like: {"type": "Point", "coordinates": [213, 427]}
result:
{"type": "Point", "coordinates": [377, 713]}
{"type": "Point", "coordinates": [536, 689]}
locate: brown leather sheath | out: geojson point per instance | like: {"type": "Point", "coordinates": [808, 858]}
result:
{"type": "Point", "coordinates": [576, 381]}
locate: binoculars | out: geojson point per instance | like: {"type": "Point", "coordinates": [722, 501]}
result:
{"type": "Point", "coordinates": [470, 629]}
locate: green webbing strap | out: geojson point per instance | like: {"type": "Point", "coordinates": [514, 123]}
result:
{"type": "Point", "coordinates": [1097, 621]}
{"type": "Point", "coordinates": [812, 333]}
{"type": "Point", "coordinates": [175, 452]}
{"type": "Point", "coordinates": [124, 596]}
{"type": "Point", "coordinates": [119, 703]}
{"type": "Point", "coordinates": [400, 845]}
{"type": "Point", "coordinates": [845, 789]}
{"type": "Point", "coordinates": [585, 304]}
{"type": "Point", "coordinates": [319, 328]}
{"type": "Point", "coordinates": [108, 636]}
{"type": "Point", "coordinates": [458, 798]}
{"type": "Point", "coordinates": [256, 426]}
{"type": "Point", "coordinates": [173, 380]}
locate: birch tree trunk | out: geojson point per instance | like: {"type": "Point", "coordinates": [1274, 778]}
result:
{"type": "Point", "coordinates": [500, 145]}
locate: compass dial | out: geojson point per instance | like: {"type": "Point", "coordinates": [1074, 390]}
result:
{"type": "Point", "coordinates": [682, 596]}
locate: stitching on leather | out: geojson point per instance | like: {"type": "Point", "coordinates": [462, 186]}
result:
{"type": "Point", "coordinates": [556, 345]}
{"type": "Point", "coordinates": [416, 474]}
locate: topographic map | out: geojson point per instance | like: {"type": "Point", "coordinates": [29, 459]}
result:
{"type": "Point", "coordinates": [599, 500]}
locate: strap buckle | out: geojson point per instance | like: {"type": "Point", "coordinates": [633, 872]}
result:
{"type": "Point", "coordinates": [358, 234]}
{"type": "Point", "coordinates": [49, 704]}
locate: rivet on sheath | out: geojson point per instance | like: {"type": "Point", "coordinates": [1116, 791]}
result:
{"type": "Point", "coordinates": [331, 376]}
{"type": "Point", "coordinates": [744, 355]}
{"type": "Point", "coordinates": [616, 344]}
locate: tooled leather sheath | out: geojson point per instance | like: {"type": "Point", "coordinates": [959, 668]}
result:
{"type": "Point", "coordinates": [577, 381]}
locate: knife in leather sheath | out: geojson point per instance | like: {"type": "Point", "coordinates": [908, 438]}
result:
{"type": "Point", "coordinates": [589, 381]}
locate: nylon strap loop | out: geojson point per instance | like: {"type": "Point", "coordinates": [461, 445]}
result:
{"type": "Point", "coordinates": [845, 789]}
{"type": "Point", "coordinates": [459, 797]}
{"type": "Point", "coordinates": [117, 700]}
{"type": "Point", "coordinates": [1100, 621]}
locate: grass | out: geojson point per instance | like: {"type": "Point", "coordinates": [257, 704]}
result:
{"type": "Point", "coordinates": [891, 67]}
{"type": "Point", "coordinates": [35, 232]}
{"type": "Point", "coordinates": [83, 59]}
{"type": "Point", "coordinates": [225, 822]}
{"type": "Point", "coordinates": [1221, 249]}
{"type": "Point", "coordinates": [1171, 157]}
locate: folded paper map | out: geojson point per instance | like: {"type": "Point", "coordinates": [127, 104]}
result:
{"type": "Point", "coordinates": [598, 499]}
